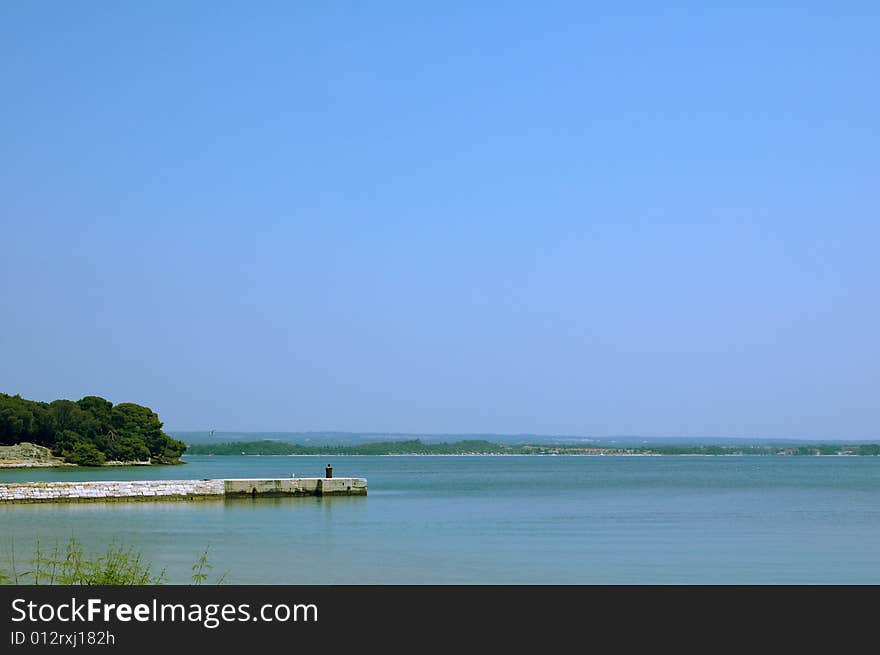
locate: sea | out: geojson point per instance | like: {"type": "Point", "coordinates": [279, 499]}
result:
{"type": "Point", "coordinates": [491, 520]}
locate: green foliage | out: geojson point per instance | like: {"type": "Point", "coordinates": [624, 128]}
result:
{"type": "Point", "coordinates": [201, 569]}
{"type": "Point", "coordinates": [88, 431]}
{"type": "Point", "coordinates": [25, 420]}
{"type": "Point", "coordinates": [128, 449]}
{"type": "Point", "coordinates": [117, 565]}
{"type": "Point", "coordinates": [84, 454]}
{"type": "Point", "coordinates": [71, 565]}
{"type": "Point", "coordinates": [480, 447]}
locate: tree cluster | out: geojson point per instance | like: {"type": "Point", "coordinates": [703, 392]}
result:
{"type": "Point", "coordinates": [89, 431]}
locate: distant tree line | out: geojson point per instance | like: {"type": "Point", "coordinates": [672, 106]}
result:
{"type": "Point", "coordinates": [481, 447]}
{"type": "Point", "coordinates": [409, 447]}
{"type": "Point", "coordinates": [89, 431]}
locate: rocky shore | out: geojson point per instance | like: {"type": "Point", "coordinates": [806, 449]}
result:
{"type": "Point", "coordinates": [28, 455]}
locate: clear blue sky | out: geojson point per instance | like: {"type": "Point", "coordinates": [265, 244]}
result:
{"type": "Point", "coordinates": [567, 218]}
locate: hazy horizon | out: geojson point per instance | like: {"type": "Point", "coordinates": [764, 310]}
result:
{"type": "Point", "coordinates": [559, 218]}
{"type": "Point", "coordinates": [330, 435]}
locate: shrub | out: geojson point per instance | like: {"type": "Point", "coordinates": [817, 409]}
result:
{"type": "Point", "coordinates": [117, 565]}
{"type": "Point", "coordinates": [84, 454]}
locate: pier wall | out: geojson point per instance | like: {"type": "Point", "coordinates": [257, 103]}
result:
{"type": "Point", "coordinates": [297, 487]}
{"type": "Point", "coordinates": [135, 490]}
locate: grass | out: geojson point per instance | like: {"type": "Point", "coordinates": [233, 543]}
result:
{"type": "Point", "coordinates": [117, 565]}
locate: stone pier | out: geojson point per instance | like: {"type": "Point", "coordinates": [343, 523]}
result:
{"type": "Point", "coordinates": [135, 490]}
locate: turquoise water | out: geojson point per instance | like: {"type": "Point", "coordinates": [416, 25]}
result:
{"type": "Point", "coordinates": [591, 520]}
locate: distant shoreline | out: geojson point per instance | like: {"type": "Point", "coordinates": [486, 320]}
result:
{"type": "Point", "coordinates": [415, 447]}
{"type": "Point", "coordinates": [530, 455]}
{"type": "Point", "coordinates": [36, 465]}
{"type": "Point", "coordinates": [61, 464]}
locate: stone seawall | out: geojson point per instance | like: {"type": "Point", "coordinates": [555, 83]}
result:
{"type": "Point", "coordinates": [135, 490]}
{"type": "Point", "coordinates": [296, 487]}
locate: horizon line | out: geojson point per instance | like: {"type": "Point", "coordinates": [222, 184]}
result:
{"type": "Point", "coordinates": [520, 434]}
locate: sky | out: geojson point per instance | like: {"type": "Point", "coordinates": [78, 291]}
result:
{"type": "Point", "coordinates": [574, 218]}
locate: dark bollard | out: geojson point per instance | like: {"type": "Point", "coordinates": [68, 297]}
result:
{"type": "Point", "coordinates": [329, 472]}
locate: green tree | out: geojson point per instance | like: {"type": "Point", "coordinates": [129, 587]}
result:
{"type": "Point", "coordinates": [84, 454]}
{"type": "Point", "coordinates": [98, 412]}
{"type": "Point", "coordinates": [128, 449]}
{"type": "Point", "coordinates": [144, 423]}
{"type": "Point", "coordinates": [16, 419]}
{"type": "Point", "coordinates": [125, 432]}
{"type": "Point", "coordinates": [69, 415]}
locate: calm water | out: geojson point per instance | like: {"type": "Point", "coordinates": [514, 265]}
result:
{"type": "Point", "coordinates": [498, 520]}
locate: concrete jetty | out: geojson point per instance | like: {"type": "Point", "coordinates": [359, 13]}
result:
{"type": "Point", "coordinates": [138, 490]}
